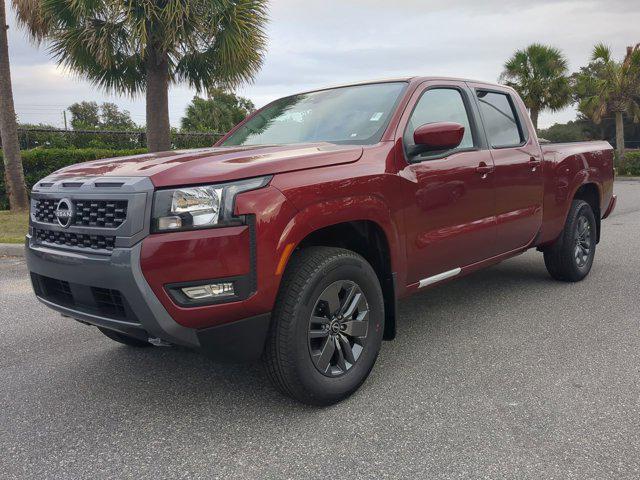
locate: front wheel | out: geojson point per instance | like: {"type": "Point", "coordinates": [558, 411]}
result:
{"type": "Point", "coordinates": [571, 256]}
{"type": "Point", "coordinates": [327, 326]}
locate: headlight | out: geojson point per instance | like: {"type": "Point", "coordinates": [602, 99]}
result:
{"type": "Point", "coordinates": [199, 207]}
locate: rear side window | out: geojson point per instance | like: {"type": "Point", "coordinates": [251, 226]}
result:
{"type": "Point", "coordinates": [500, 119]}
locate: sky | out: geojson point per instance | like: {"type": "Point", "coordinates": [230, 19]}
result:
{"type": "Point", "coordinates": [316, 43]}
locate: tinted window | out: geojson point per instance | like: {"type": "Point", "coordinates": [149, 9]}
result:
{"type": "Point", "coordinates": [500, 119]}
{"type": "Point", "coordinates": [440, 105]}
{"type": "Point", "coordinates": [357, 115]}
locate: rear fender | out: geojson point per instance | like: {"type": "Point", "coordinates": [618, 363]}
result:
{"type": "Point", "coordinates": [560, 190]}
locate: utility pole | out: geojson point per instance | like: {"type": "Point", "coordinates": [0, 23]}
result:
{"type": "Point", "coordinates": [64, 115]}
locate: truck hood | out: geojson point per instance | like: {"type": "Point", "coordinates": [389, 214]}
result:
{"type": "Point", "coordinates": [215, 164]}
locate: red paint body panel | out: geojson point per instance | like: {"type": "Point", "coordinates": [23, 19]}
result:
{"type": "Point", "coordinates": [217, 253]}
{"type": "Point", "coordinates": [210, 165]}
{"type": "Point", "coordinates": [439, 136]}
{"type": "Point", "coordinates": [567, 166]}
{"type": "Point", "coordinates": [611, 207]}
{"type": "Point", "coordinates": [468, 209]}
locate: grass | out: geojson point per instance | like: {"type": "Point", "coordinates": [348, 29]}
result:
{"type": "Point", "coordinates": [13, 226]}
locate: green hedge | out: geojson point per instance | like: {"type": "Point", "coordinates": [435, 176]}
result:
{"type": "Point", "coordinates": [40, 162]}
{"type": "Point", "coordinates": [631, 164]}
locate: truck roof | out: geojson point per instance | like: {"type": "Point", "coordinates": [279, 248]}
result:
{"type": "Point", "coordinates": [415, 79]}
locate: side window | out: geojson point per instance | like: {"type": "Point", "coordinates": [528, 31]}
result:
{"type": "Point", "coordinates": [439, 105]}
{"type": "Point", "coordinates": [500, 119]}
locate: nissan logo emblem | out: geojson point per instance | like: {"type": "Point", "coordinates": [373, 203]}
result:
{"type": "Point", "coordinates": [64, 212]}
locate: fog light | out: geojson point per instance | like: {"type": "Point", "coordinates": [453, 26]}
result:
{"type": "Point", "coordinates": [169, 223]}
{"type": "Point", "coordinates": [214, 290]}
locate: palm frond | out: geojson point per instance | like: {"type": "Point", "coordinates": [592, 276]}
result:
{"type": "Point", "coordinates": [206, 42]}
{"type": "Point", "coordinates": [31, 17]}
{"type": "Point", "coordinates": [539, 74]}
{"type": "Point", "coordinates": [601, 52]}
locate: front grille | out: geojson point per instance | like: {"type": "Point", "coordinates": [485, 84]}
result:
{"type": "Point", "coordinates": [100, 213]}
{"type": "Point", "coordinates": [105, 302]}
{"type": "Point", "coordinates": [45, 210]}
{"type": "Point", "coordinates": [69, 239]}
{"type": "Point", "coordinates": [88, 213]}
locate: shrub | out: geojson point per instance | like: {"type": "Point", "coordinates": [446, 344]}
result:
{"type": "Point", "coordinates": [631, 164]}
{"type": "Point", "coordinates": [40, 162]}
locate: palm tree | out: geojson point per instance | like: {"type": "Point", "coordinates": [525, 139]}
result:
{"type": "Point", "coordinates": [607, 87]}
{"type": "Point", "coordinates": [18, 198]}
{"type": "Point", "coordinates": [539, 74]}
{"type": "Point", "coordinates": [130, 46]}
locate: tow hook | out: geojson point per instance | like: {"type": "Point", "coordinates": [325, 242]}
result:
{"type": "Point", "coordinates": [158, 342]}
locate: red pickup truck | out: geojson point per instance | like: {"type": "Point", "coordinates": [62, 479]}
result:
{"type": "Point", "coordinates": [295, 235]}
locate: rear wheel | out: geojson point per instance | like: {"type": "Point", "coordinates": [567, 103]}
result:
{"type": "Point", "coordinates": [571, 256]}
{"type": "Point", "coordinates": [327, 326]}
{"type": "Point", "coordinates": [124, 339]}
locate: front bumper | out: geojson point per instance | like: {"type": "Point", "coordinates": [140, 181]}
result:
{"type": "Point", "coordinates": [120, 272]}
{"type": "Point", "coordinates": [111, 292]}
{"type": "Point", "coordinates": [106, 269]}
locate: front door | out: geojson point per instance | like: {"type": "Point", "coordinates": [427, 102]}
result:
{"type": "Point", "coordinates": [450, 203]}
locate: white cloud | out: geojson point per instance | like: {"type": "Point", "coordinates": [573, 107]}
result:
{"type": "Point", "coordinates": [321, 42]}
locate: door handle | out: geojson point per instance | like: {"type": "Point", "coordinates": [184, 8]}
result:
{"type": "Point", "coordinates": [534, 163]}
{"type": "Point", "coordinates": [483, 169]}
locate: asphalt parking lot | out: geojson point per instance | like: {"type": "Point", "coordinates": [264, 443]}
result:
{"type": "Point", "coordinates": [504, 374]}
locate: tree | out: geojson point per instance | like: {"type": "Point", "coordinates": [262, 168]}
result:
{"type": "Point", "coordinates": [113, 118]}
{"type": "Point", "coordinates": [90, 116]}
{"type": "Point", "coordinates": [218, 113]}
{"type": "Point", "coordinates": [573, 131]}
{"type": "Point", "coordinates": [14, 173]}
{"type": "Point", "coordinates": [85, 116]}
{"type": "Point", "coordinates": [145, 45]}
{"type": "Point", "coordinates": [608, 87]}
{"type": "Point", "coordinates": [539, 74]}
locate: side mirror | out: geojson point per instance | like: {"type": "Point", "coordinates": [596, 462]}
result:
{"type": "Point", "coordinates": [432, 137]}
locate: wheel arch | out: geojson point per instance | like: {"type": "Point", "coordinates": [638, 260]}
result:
{"type": "Point", "coordinates": [590, 193]}
{"type": "Point", "coordinates": [373, 236]}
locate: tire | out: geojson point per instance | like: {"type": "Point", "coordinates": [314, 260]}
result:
{"type": "Point", "coordinates": [124, 339]}
{"type": "Point", "coordinates": [306, 358]}
{"type": "Point", "coordinates": [570, 258]}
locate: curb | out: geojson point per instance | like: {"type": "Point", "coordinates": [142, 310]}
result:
{"type": "Point", "coordinates": [627, 179]}
{"type": "Point", "coordinates": [11, 250]}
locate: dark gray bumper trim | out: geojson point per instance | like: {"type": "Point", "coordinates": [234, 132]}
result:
{"type": "Point", "coordinates": [121, 271]}
{"type": "Point", "coordinates": [132, 329]}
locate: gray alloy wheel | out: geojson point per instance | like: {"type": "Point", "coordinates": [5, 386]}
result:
{"type": "Point", "coordinates": [326, 327]}
{"type": "Point", "coordinates": [338, 328]}
{"type": "Point", "coordinates": [571, 256]}
{"type": "Point", "coordinates": [583, 241]}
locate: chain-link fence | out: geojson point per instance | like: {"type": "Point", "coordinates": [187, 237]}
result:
{"type": "Point", "coordinates": [59, 138]}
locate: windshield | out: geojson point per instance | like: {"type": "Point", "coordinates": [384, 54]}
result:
{"type": "Point", "coordinates": [351, 115]}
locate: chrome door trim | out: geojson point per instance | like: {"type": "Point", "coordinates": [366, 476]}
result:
{"type": "Point", "coordinates": [439, 277]}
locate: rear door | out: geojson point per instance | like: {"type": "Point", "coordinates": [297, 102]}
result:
{"type": "Point", "coordinates": [517, 159]}
{"type": "Point", "coordinates": [449, 196]}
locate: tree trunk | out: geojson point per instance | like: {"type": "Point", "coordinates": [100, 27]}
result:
{"type": "Point", "coordinates": [13, 172]}
{"type": "Point", "coordinates": [534, 117]}
{"type": "Point", "coordinates": [158, 129]}
{"type": "Point", "coordinates": [620, 136]}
